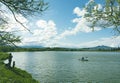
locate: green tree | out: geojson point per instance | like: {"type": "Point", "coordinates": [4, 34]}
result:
{"type": "Point", "coordinates": [7, 38]}
{"type": "Point", "coordinates": [104, 15]}
{"type": "Point", "coordinates": [23, 7]}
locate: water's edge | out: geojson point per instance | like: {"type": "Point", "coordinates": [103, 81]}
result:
{"type": "Point", "coordinates": [13, 74]}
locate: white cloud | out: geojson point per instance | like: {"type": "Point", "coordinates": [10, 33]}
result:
{"type": "Point", "coordinates": [45, 24]}
{"type": "Point", "coordinates": [78, 11]}
{"type": "Point", "coordinates": [41, 23]}
{"type": "Point", "coordinates": [43, 34]}
{"type": "Point", "coordinates": [82, 25]}
{"type": "Point", "coordinates": [48, 29]}
{"type": "Point", "coordinates": [111, 41]}
{"type": "Point", "coordinates": [12, 24]}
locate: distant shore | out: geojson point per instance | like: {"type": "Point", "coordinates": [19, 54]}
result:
{"type": "Point", "coordinates": [31, 49]}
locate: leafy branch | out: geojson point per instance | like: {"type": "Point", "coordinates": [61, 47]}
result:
{"type": "Point", "coordinates": [108, 14]}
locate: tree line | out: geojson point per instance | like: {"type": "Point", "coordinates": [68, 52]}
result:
{"type": "Point", "coordinates": [19, 49]}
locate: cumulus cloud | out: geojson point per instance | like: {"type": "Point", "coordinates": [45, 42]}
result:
{"type": "Point", "coordinates": [79, 12]}
{"type": "Point", "coordinates": [45, 32]}
{"type": "Point", "coordinates": [41, 23]}
{"type": "Point", "coordinates": [108, 41]}
{"type": "Point", "coordinates": [82, 25]}
{"type": "Point", "coordinates": [44, 24]}
{"type": "Point", "coordinates": [48, 30]}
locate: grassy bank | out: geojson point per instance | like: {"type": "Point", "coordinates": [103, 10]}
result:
{"type": "Point", "coordinates": [13, 75]}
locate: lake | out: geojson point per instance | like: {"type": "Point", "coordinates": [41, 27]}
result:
{"type": "Point", "coordinates": [65, 67]}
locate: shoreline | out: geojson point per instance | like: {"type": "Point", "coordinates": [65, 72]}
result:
{"type": "Point", "coordinates": [13, 75]}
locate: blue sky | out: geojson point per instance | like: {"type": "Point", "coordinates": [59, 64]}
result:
{"type": "Point", "coordinates": [62, 25]}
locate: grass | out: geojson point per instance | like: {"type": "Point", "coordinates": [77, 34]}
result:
{"type": "Point", "coordinates": [13, 75]}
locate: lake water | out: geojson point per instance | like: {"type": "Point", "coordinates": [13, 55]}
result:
{"type": "Point", "coordinates": [64, 67]}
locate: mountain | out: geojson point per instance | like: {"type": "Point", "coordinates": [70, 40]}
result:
{"type": "Point", "coordinates": [101, 48]}
{"type": "Point", "coordinates": [97, 48]}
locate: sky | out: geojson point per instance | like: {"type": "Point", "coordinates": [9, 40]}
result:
{"type": "Point", "coordinates": [62, 25]}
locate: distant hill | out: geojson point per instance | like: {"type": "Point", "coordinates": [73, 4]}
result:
{"type": "Point", "coordinates": [101, 48]}
{"type": "Point", "coordinates": [41, 48]}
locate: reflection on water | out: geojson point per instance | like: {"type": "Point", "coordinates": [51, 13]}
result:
{"type": "Point", "coordinates": [64, 67]}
